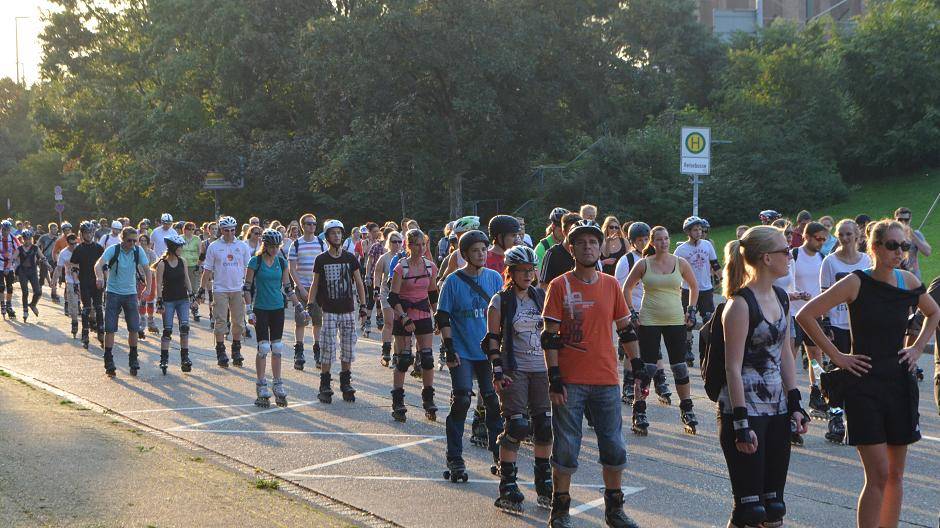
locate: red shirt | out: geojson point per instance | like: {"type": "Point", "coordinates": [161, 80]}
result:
{"type": "Point", "coordinates": [495, 262]}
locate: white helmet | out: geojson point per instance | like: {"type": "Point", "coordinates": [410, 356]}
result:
{"type": "Point", "coordinates": [331, 224]}
{"type": "Point", "coordinates": [117, 225]}
{"type": "Point", "coordinates": [227, 222]}
{"type": "Point", "coordinates": [176, 240]}
{"type": "Point", "coordinates": [166, 218]}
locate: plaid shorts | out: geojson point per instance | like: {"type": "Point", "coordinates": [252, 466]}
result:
{"type": "Point", "coordinates": [345, 324]}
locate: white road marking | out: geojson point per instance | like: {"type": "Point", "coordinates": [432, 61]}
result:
{"type": "Point", "coordinates": [172, 409]}
{"type": "Point", "coordinates": [934, 438]}
{"type": "Point", "coordinates": [239, 417]}
{"type": "Point", "coordinates": [316, 433]}
{"type": "Point", "coordinates": [581, 508]}
{"type": "Point", "coordinates": [366, 454]}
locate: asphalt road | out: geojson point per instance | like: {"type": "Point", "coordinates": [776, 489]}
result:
{"type": "Point", "coordinates": [356, 455]}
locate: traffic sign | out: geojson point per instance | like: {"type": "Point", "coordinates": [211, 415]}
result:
{"type": "Point", "coordinates": [695, 151]}
{"type": "Point", "coordinates": [59, 208]}
{"type": "Point", "coordinates": [58, 197]}
{"type": "Point", "coordinates": [57, 189]}
{"type": "Point", "coordinates": [215, 181]}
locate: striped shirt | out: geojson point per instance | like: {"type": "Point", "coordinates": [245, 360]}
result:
{"type": "Point", "coordinates": [304, 253]}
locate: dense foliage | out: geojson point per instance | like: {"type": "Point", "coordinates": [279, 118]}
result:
{"type": "Point", "coordinates": [371, 109]}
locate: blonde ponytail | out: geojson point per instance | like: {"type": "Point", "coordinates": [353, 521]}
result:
{"type": "Point", "coordinates": [735, 273]}
{"type": "Point", "coordinates": [744, 255]}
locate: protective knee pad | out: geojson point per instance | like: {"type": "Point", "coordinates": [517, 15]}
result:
{"type": "Point", "coordinates": [167, 334]}
{"type": "Point", "coordinates": [491, 403]}
{"type": "Point", "coordinates": [264, 348]}
{"type": "Point", "coordinates": [277, 348]}
{"type": "Point", "coordinates": [427, 358]}
{"type": "Point", "coordinates": [680, 372]}
{"type": "Point", "coordinates": [405, 359]}
{"type": "Point", "coordinates": [184, 330]}
{"type": "Point", "coordinates": [459, 404]}
{"type": "Point", "coordinates": [748, 511]}
{"type": "Point", "coordinates": [542, 428]}
{"type": "Point", "coordinates": [774, 506]}
{"type": "Point", "coordinates": [651, 369]}
{"type": "Point", "coordinates": [517, 428]}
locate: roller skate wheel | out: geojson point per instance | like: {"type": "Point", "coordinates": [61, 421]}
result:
{"type": "Point", "coordinates": [431, 416]}
{"type": "Point", "coordinates": [163, 368]}
{"type": "Point", "coordinates": [494, 470]}
{"type": "Point", "coordinates": [262, 402]}
{"type": "Point", "coordinates": [447, 475]}
{"type": "Point", "coordinates": [349, 396]}
{"type": "Point", "coordinates": [690, 429]}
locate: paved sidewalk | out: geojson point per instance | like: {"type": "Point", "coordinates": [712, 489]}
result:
{"type": "Point", "coordinates": [62, 465]}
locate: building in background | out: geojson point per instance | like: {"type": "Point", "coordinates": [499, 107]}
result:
{"type": "Point", "coordinates": [727, 16]}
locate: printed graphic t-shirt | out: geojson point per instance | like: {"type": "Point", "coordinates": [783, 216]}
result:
{"type": "Point", "coordinates": [336, 286]}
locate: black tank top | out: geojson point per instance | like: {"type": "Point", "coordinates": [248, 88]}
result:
{"type": "Point", "coordinates": [174, 281]}
{"type": "Point", "coordinates": [610, 268]}
{"type": "Point", "coordinates": [878, 318]}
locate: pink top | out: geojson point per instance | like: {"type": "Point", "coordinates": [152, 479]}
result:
{"type": "Point", "coordinates": [414, 286]}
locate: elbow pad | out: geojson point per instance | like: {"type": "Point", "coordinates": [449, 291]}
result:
{"type": "Point", "coordinates": [485, 344]}
{"type": "Point", "coordinates": [442, 319]}
{"type": "Point", "coordinates": [551, 340]}
{"type": "Point", "coordinates": [433, 296]}
{"type": "Point", "coordinates": [393, 299]}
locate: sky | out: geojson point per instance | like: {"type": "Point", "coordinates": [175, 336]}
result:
{"type": "Point", "coordinates": [29, 29]}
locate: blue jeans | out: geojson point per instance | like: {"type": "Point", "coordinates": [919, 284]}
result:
{"type": "Point", "coordinates": [604, 403]}
{"type": "Point", "coordinates": [112, 308]}
{"type": "Point", "coordinates": [461, 378]}
{"type": "Point", "coordinates": [180, 308]}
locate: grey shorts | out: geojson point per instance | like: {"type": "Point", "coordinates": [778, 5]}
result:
{"type": "Point", "coordinates": [527, 394]}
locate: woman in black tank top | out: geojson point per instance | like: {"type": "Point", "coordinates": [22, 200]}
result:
{"type": "Point", "coordinates": [881, 399]}
{"type": "Point", "coordinates": [609, 255]}
{"type": "Point", "coordinates": [174, 296]}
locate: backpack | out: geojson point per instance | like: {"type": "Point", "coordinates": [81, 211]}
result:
{"type": "Point", "coordinates": [795, 252]}
{"type": "Point", "coordinates": [711, 343]}
{"type": "Point", "coordinates": [113, 263]}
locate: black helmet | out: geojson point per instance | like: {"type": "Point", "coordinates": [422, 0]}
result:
{"type": "Point", "coordinates": [556, 214]}
{"type": "Point", "coordinates": [470, 238]}
{"type": "Point", "coordinates": [582, 227]}
{"type": "Point", "coordinates": [768, 215]}
{"type": "Point", "coordinates": [503, 225]}
{"type": "Point", "coordinates": [637, 230]}
{"type": "Point", "coordinates": [86, 227]}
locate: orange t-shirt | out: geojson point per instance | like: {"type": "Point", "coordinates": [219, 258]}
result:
{"type": "Point", "coordinates": [586, 313]}
{"type": "Point", "coordinates": [60, 244]}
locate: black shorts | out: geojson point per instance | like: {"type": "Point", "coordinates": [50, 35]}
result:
{"type": "Point", "coordinates": [7, 279]}
{"type": "Point", "coordinates": [799, 336]}
{"type": "Point", "coordinates": [842, 339]}
{"type": "Point", "coordinates": [673, 335]}
{"type": "Point", "coordinates": [422, 327]}
{"type": "Point", "coordinates": [878, 412]}
{"type": "Point", "coordinates": [705, 303]}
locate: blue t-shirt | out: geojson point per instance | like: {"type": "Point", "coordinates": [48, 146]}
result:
{"type": "Point", "coordinates": [122, 276]}
{"type": "Point", "coordinates": [267, 280]}
{"type": "Point", "coordinates": [467, 310]}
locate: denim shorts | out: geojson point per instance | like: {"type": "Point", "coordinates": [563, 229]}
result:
{"type": "Point", "coordinates": [180, 308]}
{"type": "Point", "coordinates": [112, 308]}
{"type": "Point", "coordinates": [604, 403]}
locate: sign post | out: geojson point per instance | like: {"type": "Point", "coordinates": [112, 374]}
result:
{"type": "Point", "coordinates": [215, 181]}
{"type": "Point", "coordinates": [695, 156]}
{"type": "Point", "coordinates": [59, 206]}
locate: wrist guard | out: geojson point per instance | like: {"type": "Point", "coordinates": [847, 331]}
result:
{"type": "Point", "coordinates": [742, 428]}
{"type": "Point", "coordinates": [497, 366]}
{"type": "Point", "coordinates": [634, 317]}
{"type": "Point", "coordinates": [551, 340]}
{"type": "Point", "coordinates": [449, 353]}
{"type": "Point", "coordinates": [793, 404]}
{"type": "Point", "coordinates": [554, 380]}
{"type": "Point", "coordinates": [485, 343]}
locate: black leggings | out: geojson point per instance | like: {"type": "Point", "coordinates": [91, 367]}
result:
{"type": "Point", "coordinates": [763, 474]}
{"type": "Point", "coordinates": [91, 299]}
{"type": "Point", "coordinates": [674, 335]}
{"type": "Point", "coordinates": [6, 282]}
{"type": "Point", "coordinates": [28, 279]}
{"type": "Point", "coordinates": [269, 325]}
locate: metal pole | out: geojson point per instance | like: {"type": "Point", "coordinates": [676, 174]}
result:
{"type": "Point", "coordinates": [20, 79]}
{"type": "Point", "coordinates": [924, 221]}
{"type": "Point", "coordinates": [218, 205]}
{"type": "Point", "coordinates": [695, 183]}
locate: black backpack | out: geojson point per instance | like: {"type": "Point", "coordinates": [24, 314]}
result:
{"type": "Point", "coordinates": [711, 339]}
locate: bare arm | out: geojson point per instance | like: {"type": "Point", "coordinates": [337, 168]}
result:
{"type": "Point", "coordinates": [735, 323]}
{"type": "Point", "coordinates": [844, 291]}
{"type": "Point", "coordinates": [158, 280]}
{"type": "Point", "coordinates": [685, 269]}
{"type": "Point", "coordinates": [636, 274]}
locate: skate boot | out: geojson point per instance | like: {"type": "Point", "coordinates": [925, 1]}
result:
{"type": "Point", "coordinates": [427, 400]}
{"type": "Point", "coordinates": [263, 393]}
{"type": "Point", "coordinates": [316, 354]}
{"type": "Point", "coordinates": [661, 387]}
{"type": "Point", "coordinates": [398, 405]}
{"type": "Point", "coordinates": [613, 511]}
{"type": "Point", "coordinates": [185, 364]}
{"type": "Point", "coordinates": [478, 436]}
{"type": "Point", "coordinates": [237, 358]}
{"type": "Point", "coordinates": [74, 329]}
{"type": "Point", "coordinates": [34, 309]}
{"type": "Point", "coordinates": [132, 362]}
{"type": "Point", "coordinates": [629, 382]}
{"type": "Point", "coordinates": [543, 482]}
{"type": "Point", "coordinates": [280, 394]}
{"type": "Point", "coordinates": [559, 517]}
{"type": "Point", "coordinates": [164, 359]}
{"type": "Point", "coordinates": [152, 326]}
{"type": "Point", "coordinates": [220, 356]}
{"type": "Point", "coordinates": [456, 470]}
{"type": "Point", "coordinates": [299, 356]}
{"type": "Point", "coordinates": [109, 368]}
{"type": "Point", "coordinates": [85, 338]}
{"type": "Point", "coordinates": [25, 315]}
{"type": "Point", "coordinates": [345, 386]}
{"type": "Point", "coordinates": [688, 417]}
{"type": "Point", "coordinates": [326, 392]}
{"type": "Point", "coordinates": [510, 498]}
{"type": "Point", "coordinates": [386, 354]}
{"type": "Point", "coordinates": [10, 313]}
{"type": "Point", "coordinates": [141, 335]}
{"type": "Point", "coordinates": [836, 429]}
{"type": "Point", "coordinates": [818, 407]}
{"type": "Point", "coordinates": [640, 423]}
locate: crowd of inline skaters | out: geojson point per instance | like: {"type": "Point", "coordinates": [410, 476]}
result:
{"type": "Point", "coordinates": [533, 322]}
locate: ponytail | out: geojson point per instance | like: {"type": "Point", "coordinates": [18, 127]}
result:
{"type": "Point", "coordinates": [735, 272]}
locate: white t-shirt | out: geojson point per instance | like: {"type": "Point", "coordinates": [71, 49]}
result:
{"type": "Point", "coordinates": [806, 276]}
{"type": "Point", "coordinates": [832, 271]}
{"type": "Point", "coordinates": [107, 240]}
{"type": "Point", "coordinates": [620, 273]}
{"type": "Point", "coordinates": [227, 262]}
{"type": "Point", "coordinates": [159, 246]}
{"type": "Point", "coordinates": [700, 257]}
{"type": "Point", "coordinates": [65, 262]}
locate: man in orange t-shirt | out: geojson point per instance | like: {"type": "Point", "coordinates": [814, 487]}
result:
{"type": "Point", "coordinates": [580, 307]}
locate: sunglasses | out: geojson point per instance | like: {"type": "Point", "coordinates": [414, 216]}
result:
{"type": "Point", "coordinates": [818, 239]}
{"type": "Point", "coordinates": [310, 223]}
{"type": "Point", "coordinates": [784, 251]}
{"type": "Point", "coordinates": [613, 227]}
{"type": "Point", "coordinates": [893, 245]}
{"type": "Point", "coordinates": [904, 219]}
{"type": "Point", "coordinates": [393, 241]}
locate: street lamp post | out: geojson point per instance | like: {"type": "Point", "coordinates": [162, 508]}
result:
{"type": "Point", "coordinates": [20, 79]}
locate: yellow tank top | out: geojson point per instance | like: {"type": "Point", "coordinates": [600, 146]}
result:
{"type": "Point", "coordinates": [662, 301]}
